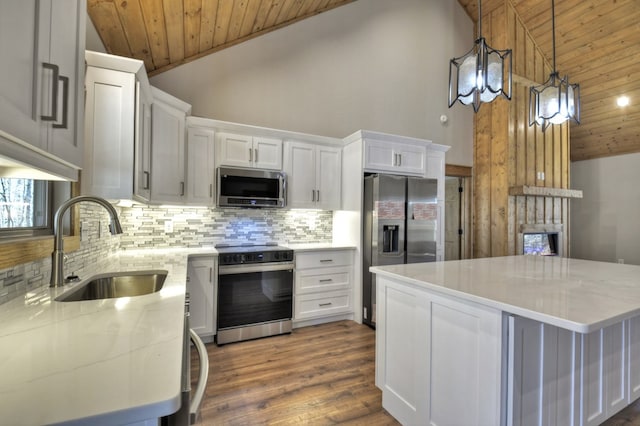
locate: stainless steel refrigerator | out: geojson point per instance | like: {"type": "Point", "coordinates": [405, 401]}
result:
{"type": "Point", "coordinates": [400, 226]}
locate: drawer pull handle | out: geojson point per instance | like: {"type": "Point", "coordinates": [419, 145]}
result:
{"type": "Point", "coordinates": [326, 260]}
{"type": "Point", "coordinates": [327, 280]}
{"type": "Point", "coordinates": [324, 304]}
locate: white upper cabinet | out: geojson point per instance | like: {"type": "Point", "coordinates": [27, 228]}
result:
{"type": "Point", "coordinates": [168, 159]}
{"type": "Point", "coordinates": [313, 175]}
{"type": "Point", "coordinates": [394, 157]}
{"type": "Point", "coordinates": [41, 90]}
{"type": "Point", "coordinates": [117, 128]}
{"type": "Point", "coordinates": [200, 166]}
{"type": "Point", "coordinates": [249, 151]}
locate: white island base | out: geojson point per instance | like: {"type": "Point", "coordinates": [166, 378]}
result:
{"type": "Point", "coordinates": [516, 340]}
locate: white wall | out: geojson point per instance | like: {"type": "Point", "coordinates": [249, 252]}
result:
{"type": "Point", "coordinates": [93, 41]}
{"type": "Point", "coordinates": [605, 223]}
{"type": "Point", "coordinates": [373, 64]}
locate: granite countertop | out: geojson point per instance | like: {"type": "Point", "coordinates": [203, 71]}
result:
{"type": "Point", "coordinates": [109, 361]}
{"type": "Point", "coordinates": [578, 295]}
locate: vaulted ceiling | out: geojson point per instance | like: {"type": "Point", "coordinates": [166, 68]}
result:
{"type": "Point", "coordinates": [597, 46]}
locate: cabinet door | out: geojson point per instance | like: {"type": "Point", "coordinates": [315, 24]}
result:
{"type": "Point", "coordinates": [142, 152]}
{"type": "Point", "coordinates": [605, 390]}
{"type": "Point", "coordinates": [267, 153]}
{"type": "Point", "coordinates": [20, 70]}
{"type": "Point", "coordinates": [593, 380]}
{"type": "Point", "coordinates": [301, 174]}
{"type": "Point", "coordinates": [379, 156]}
{"type": "Point", "coordinates": [235, 150]}
{"type": "Point", "coordinates": [200, 166]}
{"type": "Point", "coordinates": [167, 154]}
{"type": "Point", "coordinates": [200, 285]}
{"type": "Point", "coordinates": [328, 178]}
{"type": "Point", "coordinates": [109, 133]}
{"type": "Point", "coordinates": [410, 159]}
{"type": "Point", "coordinates": [634, 358]}
{"type": "Point", "coordinates": [66, 42]}
{"type": "Point", "coordinates": [454, 361]}
{"type": "Point", "coordinates": [542, 374]}
{"type": "Point", "coordinates": [615, 355]}
{"type": "Point", "coordinates": [434, 165]}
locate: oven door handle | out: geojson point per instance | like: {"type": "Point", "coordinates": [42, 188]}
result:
{"type": "Point", "coordinates": [256, 267]}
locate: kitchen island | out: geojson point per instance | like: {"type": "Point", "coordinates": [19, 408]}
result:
{"type": "Point", "coordinates": [97, 362]}
{"type": "Point", "coordinates": [509, 340]}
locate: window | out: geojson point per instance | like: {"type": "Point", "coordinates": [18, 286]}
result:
{"type": "Point", "coordinates": [25, 207]}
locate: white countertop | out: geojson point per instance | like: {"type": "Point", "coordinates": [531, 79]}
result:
{"type": "Point", "coordinates": [578, 295]}
{"type": "Point", "coordinates": [101, 362]}
{"type": "Point", "coordinates": [97, 362]}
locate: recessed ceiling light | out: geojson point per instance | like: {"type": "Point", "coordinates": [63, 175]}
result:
{"type": "Point", "coordinates": [622, 101]}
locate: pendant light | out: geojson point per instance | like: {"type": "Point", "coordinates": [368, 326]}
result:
{"type": "Point", "coordinates": [481, 75]}
{"type": "Point", "coordinates": [555, 101]}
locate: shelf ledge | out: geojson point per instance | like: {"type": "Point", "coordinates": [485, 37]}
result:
{"type": "Point", "coordinates": [541, 191]}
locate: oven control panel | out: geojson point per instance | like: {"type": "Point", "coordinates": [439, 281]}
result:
{"type": "Point", "coordinates": [240, 258]}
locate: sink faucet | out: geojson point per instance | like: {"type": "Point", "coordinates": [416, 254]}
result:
{"type": "Point", "coordinates": [57, 257]}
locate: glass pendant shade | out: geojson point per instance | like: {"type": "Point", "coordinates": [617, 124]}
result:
{"type": "Point", "coordinates": [480, 76]}
{"type": "Point", "coordinates": [555, 101]}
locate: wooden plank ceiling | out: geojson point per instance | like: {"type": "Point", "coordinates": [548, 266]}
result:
{"type": "Point", "coordinates": [168, 33]}
{"type": "Point", "coordinates": [598, 47]}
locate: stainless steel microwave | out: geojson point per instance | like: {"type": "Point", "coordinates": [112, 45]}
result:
{"type": "Point", "coordinates": [251, 188]}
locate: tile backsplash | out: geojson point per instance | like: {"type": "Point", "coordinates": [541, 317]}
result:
{"type": "Point", "coordinates": [162, 227]}
{"type": "Point", "coordinates": [165, 227]}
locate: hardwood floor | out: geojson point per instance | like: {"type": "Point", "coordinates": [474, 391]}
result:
{"type": "Point", "coordinates": [319, 375]}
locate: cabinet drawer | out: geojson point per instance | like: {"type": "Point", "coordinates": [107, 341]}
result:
{"type": "Point", "coordinates": [322, 304]}
{"type": "Point", "coordinates": [323, 279]}
{"type": "Point", "coordinates": [325, 258]}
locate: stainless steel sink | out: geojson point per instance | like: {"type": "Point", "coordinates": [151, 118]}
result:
{"type": "Point", "coordinates": [121, 284]}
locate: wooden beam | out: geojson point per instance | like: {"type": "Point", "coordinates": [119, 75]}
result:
{"type": "Point", "coordinates": [539, 191]}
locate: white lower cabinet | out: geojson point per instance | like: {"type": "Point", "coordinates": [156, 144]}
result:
{"type": "Point", "coordinates": [201, 283]}
{"type": "Point", "coordinates": [437, 358]}
{"type": "Point", "coordinates": [543, 383]}
{"type": "Point", "coordinates": [604, 373]}
{"type": "Point", "coordinates": [559, 377]}
{"type": "Point", "coordinates": [633, 345]}
{"type": "Point", "coordinates": [323, 285]}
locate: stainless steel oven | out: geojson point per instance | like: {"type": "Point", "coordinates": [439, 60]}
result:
{"type": "Point", "coordinates": [255, 292]}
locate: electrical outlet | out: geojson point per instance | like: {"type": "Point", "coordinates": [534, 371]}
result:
{"type": "Point", "coordinates": [540, 175]}
{"type": "Point", "coordinates": [84, 231]}
{"type": "Point", "coordinates": [168, 226]}
{"type": "Point", "coordinates": [620, 260]}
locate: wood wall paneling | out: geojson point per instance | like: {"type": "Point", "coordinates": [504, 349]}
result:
{"type": "Point", "coordinates": [509, 153]}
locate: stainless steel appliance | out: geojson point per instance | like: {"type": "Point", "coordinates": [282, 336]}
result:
{"type": "Point", "coordinates": [190, 402]}
{"type": "Point", "coordinates": [400, 226]}
{"type": "Point", "coordinates": [255, 292]}
{"type": "Point", "coordinates": [251, 188]}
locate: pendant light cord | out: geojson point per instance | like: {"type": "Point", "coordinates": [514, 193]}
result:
{"type": "Point", "coordinates": [479, 19]}
{"type": "Point", "coordinates": [553, 33]}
